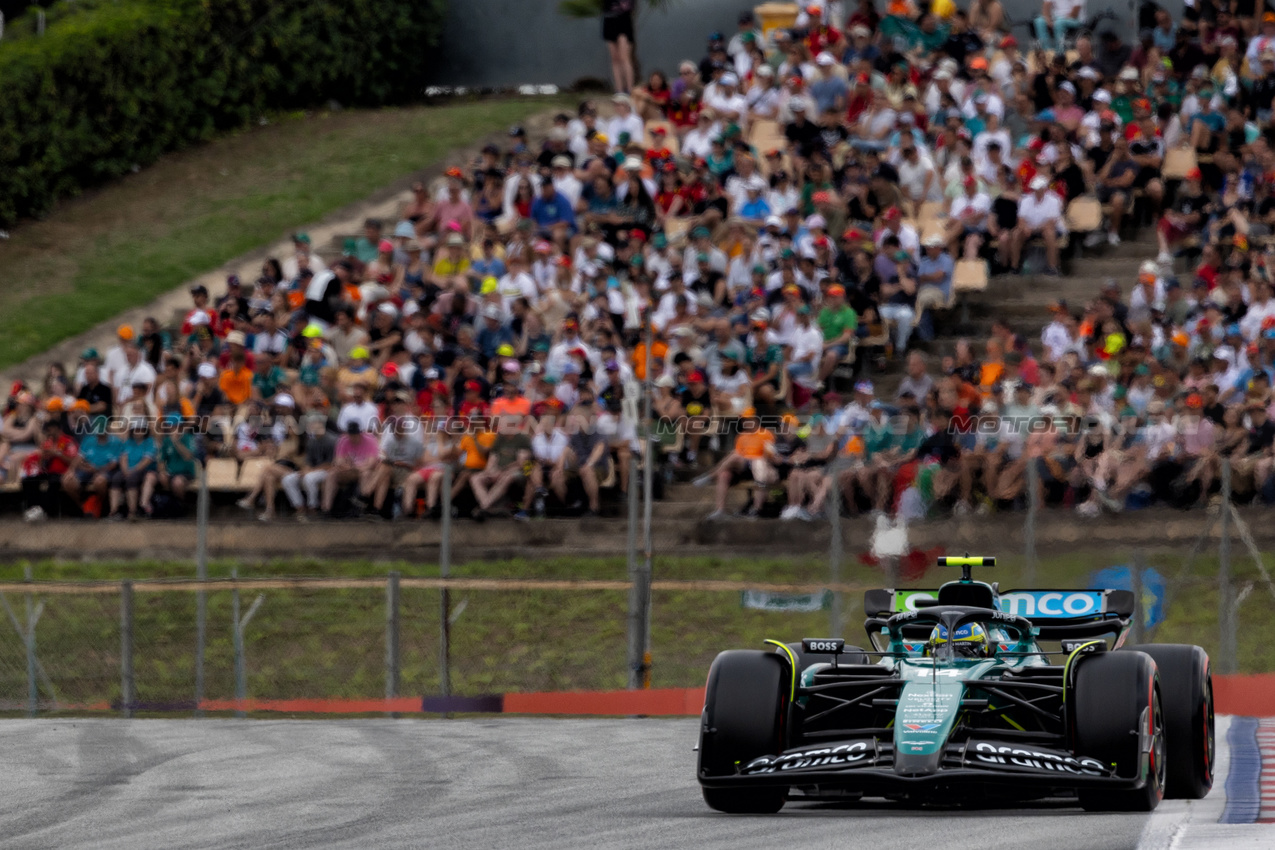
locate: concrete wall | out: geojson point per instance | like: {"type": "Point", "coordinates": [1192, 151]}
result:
{"type": "Point", "coordinates": [1154, 530]}
{"type": "Point", "coordinates": [503, 43]}
{"type": "Point", "coordinates": [517, 42]}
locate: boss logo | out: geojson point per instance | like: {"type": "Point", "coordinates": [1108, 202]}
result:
{"type": "Point", "coordinates": [831, 645]}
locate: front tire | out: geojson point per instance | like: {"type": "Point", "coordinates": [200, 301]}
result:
{"type": "Point", "coordinates": [1116, 694]}
{"type": "Point", "coordinates": [744, 705]}
{"type": "Point", "coordinates": [1186, 681]}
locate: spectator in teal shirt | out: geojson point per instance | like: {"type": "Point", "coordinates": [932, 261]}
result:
{"type": "Point", "coordinates": [135, 478]}
{"type": "Point", "coordinates": [97, 461]}
{"type": "Point", "coordinates": [904, 437]}
{"type": "Point", "coordinates": [177, 462]}
{"type": "Point", "coordinates": [267, 377]}
{"type": "Point", "coordinates": [367, 246]}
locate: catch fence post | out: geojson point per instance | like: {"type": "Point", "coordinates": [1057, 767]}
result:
{"type": "Point", "coordinates": [444, 595]}
{"type": "Point", "coordinates": [241, 623]}
{"type": "Point", "coordinates": [1227, 638]}
{"type": "Point", "coordinates": [201, 596]}
{"type": "Point", "coordinates": [648, 503]}
{"type": "Point", "coordinates": [833, 503]}
{"type": "Point", "coordinates": [33, 615]}
{"type": "Point", "coordinates": [1029, 529]}
{"type": "Point", "coordinates": [635, 647]}
{"type": "Point", "coordinates": [126, 648]}
{"type": "Point", "coordinates": [240, 678]}
{"type": "Point", "coordinates": [391, 637]}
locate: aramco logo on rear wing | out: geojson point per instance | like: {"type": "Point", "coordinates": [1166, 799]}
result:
{"type": "Point", "coordinates": [1022, 603]}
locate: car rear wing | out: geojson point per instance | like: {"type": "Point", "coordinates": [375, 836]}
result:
{"type": "Point", "coordinates": [1058, 614]}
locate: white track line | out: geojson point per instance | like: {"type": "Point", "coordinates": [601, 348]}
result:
{"type": "Point", "coordinates": [1193, 824]}
{"type": "Point", "coordinates": [1173, 821]}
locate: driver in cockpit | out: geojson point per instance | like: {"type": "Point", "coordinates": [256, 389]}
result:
{"type": "Point", "coordinates": [970, 641]}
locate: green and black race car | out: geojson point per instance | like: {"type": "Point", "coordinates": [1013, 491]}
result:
{"type": "Point", "coordinates": [964, 701]}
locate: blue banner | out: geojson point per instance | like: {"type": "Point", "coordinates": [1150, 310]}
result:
{"type": "Point", "coordinates": [1153, 590]}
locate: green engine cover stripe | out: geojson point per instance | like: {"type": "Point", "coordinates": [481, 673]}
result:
{"type": "Point", "coordinates": [792, 660]}
{"type": "Point", "coordinates": [1067, 665]}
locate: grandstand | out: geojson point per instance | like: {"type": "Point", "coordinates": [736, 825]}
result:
{"type": "Point", "coordinates": [848, 241]}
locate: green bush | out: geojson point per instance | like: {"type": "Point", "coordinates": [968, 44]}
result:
{"type": "Point", "coordinates": [115, 87]}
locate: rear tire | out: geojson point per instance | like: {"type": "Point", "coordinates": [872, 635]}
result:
{"type": "Point", "coordinates": [744, 705]}
{"type": "Point", "coordinates": [1186, 683]}
{"type": "Point", "coordinates": [1112, 692]}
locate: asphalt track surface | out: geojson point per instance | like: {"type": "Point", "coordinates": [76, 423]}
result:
{"type": "Point", "coordinates": [507, 782]}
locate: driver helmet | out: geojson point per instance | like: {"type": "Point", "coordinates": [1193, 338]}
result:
{"type": "Point", "coordinates": [970, 641]}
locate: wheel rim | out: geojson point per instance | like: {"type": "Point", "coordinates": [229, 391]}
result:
{"type": "Point", "coordinates": [1157, 745]}
{"type": "Point", "coordinates": [1209, 741]}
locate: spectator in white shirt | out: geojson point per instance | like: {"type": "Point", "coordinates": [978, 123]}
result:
{"type": "Point", "coordinates": [1263, 42]}
{"type": "Point", "coordinates": [737, 184]}
{"type": "Point", "coordinates": [784, 194]}
{"type": "Point", "coordinates": [116, 361]}
{"type": "Point", "coordinates": [1260, 307]}
{"type": "Point", "coordinates": [895, 226]}
{"type": "Point", "coordinates": [806, 342]}
{"type": "Point", "coordinates": [726, 100]}
{"type": "Point", "coordinates": [359, 409]}
{"type": "Point", "coordinates": [625, 121]}
{"type": "Point", "coordinates": [1148, 294]}
{"type": "Point", "coordinates": [764, 98]}
{"type": "Point", "coordinates": [135, 374]}
{"type": "Point", "coordinates": [302, 256]}
{"type": "Point", "coordinates": [942, 84]}
{"type": "Point", "coordinates": [917, 177]}
{"type": "Point", "coordinates": [699, 141]}
{"type": "Point", "coordinates": [967, 219]}
{"type": "Point", "coordinates": [993, 133]}
{"type": "Point", "coordinates": [1056, 337]}
{"type": "Point", "coordinates": [1040, 213]}
{"type": "Point", "coordinates": [565, 180]}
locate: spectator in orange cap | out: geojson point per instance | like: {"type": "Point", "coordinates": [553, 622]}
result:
{"type": "Point", "coordinates": [236, 379]}
{"type": "Point", "coordinates": [115, 361]}
{"type": "Point", "coordinates": [837, 322]}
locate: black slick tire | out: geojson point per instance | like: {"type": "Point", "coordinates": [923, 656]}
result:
{"type": "Point", "coordinates": [1186, 685]}
{"type": "Point", "coordinates": [744, 705]}
{"type": "Point", "coordinates": [1116, 694]}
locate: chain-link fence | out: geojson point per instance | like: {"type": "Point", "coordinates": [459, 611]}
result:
{"type": "Point", "coordinates": [320, 644]}
{"type": "Point", "coordinates": [453, 628]}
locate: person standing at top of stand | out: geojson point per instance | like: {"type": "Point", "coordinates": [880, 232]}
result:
{"type": "Point", "coordinates": [617, 31]}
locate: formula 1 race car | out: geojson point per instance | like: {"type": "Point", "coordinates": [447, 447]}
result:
{"type": "Point", "coordinates": [964, 702]}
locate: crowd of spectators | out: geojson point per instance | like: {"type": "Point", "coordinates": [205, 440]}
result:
{"type": "Point", "coordinates": [776, 208]}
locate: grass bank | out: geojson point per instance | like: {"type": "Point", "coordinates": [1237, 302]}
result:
{"type": "Point", "coordinates": [123, 245]}
{"type": "Point", "coordinates": [305, 643]}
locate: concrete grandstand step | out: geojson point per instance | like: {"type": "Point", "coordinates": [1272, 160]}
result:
{"type": "Point", "coordinates": [687, 492]}
{"type": "Point", "coordinates": [666, 510]}
{"type": "Point", "coordinates": [1102, 268]}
